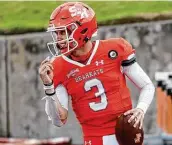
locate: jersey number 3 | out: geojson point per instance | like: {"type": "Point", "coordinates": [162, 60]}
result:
{"type": "Point", "coordinates": [101, 93]}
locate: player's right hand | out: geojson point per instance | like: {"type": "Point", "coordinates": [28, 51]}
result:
{"type": "Point", "coordinates": [46, 71]}
{"type": "Point", "coordinates": [137, 115]}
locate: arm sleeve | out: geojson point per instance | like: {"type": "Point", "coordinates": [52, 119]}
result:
{"type": "Point", "coordinates": [51, 107]}
{"type": "Point", "coordinates": [62, 96]}
{"type": "Point", "coordinates": [136, 74]}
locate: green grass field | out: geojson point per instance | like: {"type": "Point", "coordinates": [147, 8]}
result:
{"type": "Point", "coordinates": [33, 16]}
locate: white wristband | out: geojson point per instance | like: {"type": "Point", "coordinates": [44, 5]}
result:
{"type": "Point", "coordinates": [48, 87]}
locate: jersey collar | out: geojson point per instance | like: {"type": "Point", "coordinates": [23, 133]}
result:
{"type": "Point", "coordinates": [89, 60]}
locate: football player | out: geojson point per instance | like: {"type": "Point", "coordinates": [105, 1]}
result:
{"type": "Point", "coordinates": [92, 74]}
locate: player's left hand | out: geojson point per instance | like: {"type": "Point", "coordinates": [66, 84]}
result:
{"type": "Point", "coordinates": [137, 115]}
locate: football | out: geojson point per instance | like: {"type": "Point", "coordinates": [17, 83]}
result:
{"type": "Point", "coordinates": [126, 134]}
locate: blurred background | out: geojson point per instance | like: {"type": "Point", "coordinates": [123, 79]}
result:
{"type": "Point", "coordinates": [146, 25]}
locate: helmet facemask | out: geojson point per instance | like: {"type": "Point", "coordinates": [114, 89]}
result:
{"type": "Point", "coordinates": [60, 46]}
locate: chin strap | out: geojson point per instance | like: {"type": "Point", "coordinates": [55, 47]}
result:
{"type": "Point", "coordinates": [83, 58]}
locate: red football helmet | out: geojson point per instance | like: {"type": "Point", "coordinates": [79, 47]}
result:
{"type": "Point", "coordinates": [74, 19]}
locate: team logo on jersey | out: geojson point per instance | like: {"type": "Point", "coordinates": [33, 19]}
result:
{"type": "Point", "coordinates": [88, 142]}
{"type": "Point", "coordinates": [101, 62]}
{"type": "Point", "coordinates": [72, 73]}
{"type": "Point", "coordinates": [112, 54]}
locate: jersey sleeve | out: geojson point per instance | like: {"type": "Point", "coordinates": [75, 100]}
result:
{"type": "Point", "coordinates": [58, 79]}
{"type": "Point", "coordinates": [128, 53]}
{"type": "Point", "coordinates": [57, 72]}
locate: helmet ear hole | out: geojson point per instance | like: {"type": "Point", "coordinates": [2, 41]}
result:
{"type": "Point", "coordinates": [86, 39]}
{"type": "Point", "coordinates": [84, 31]}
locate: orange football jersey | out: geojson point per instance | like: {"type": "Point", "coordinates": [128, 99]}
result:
{"type": "Point", "coordinates": [98, 88]}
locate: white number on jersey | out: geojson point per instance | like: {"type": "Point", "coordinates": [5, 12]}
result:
{"type": "Point", "coordinates": [82, 12]}
{"type": "Point", "coordinates": [101, 93]}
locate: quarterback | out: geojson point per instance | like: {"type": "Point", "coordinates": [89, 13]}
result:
{"type": "Point", "coordinates": [92, 74]}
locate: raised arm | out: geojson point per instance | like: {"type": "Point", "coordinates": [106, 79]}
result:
{"type": "Point", "coordinates": [56, 105]}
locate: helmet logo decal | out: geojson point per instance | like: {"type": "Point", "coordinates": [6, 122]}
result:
{"type": "Point", "coordinates": [78, 11]}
